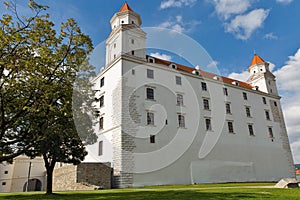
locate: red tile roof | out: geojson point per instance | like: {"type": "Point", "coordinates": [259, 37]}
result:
{"type": "Point", "coordinates": [203, 73]}
{"type": "Point", "coordinates": [125, 7]}
{"type": "Point", "coordinates": [256, 59]}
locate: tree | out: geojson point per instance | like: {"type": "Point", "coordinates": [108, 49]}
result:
{"type": "Point", "coordinates": [40, 71]}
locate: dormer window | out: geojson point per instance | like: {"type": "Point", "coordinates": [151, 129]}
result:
{"type": "Point", "coordinates": [173, 66]}
{"type": "Point", "coordinates": [196, 72]}
{"type": "Point", "coordinates": [151, 60]}
{"type": "Point", "coordinates": [235, 83]}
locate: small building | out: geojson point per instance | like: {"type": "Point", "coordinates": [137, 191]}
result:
{"type": "Point", "coordinates": [16, 176]}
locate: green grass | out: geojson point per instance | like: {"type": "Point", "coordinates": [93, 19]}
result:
{"type": "Point", "coordinates": [173, 192]}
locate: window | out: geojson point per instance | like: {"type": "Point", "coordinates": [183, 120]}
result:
{"type": "Point", "coordinates": [100, 148]}
{"type": "Point", "coordinates": [150, 73]}
{"type": "Point", "coordinates": [250, 127]}
{"type": "Point", "coordinates": [174, 66]}
{"type": "Point", "coordinates": [228, 109]}
{"type": "Point", "coordinates": [101, 101]}
{"type": "Point", "coordinates": [150, 93]}
{"type": "Point", "coordinates": [166, 122]}
{"type": "Point", "coordinates": [115, 45]}
{"type": "Point", "coordinates": [245, 96]}
{"type": "Point", "coordinates": [267, 115]}
{"type": "Point", "coordinates": [178, 80]}
{"type": "Point", "coordinates": [150, 118]}
{"type": "Point", "coordinates": [230, 127]}
{"type": "Point", "coordinates": [275, 103]}
{"type": "Point", "coordinates": [205, 104]}
{"type": "Point", "coordinates": [132, 53]}
{"type": "Point", "coordinates": [208, 124]}
{"type": "Point", "coordinates": [101, 123]}
{"type": "Point", "coordinates": [181, 121]}
{"type": "Point", "coordinates": [122, 22]}
{"type": "Point", "coordinates": [102, 82]}
{"type": "Point", "coordinates": [203, 86]}
{"type": "Point", "coordinates": [225, 91]}
{"type": "Point", "coordinates": [152, 138]}
{"type": "Point", "coordinates": [151, 60]}
{"type": "Point", "coordinates": [132, 22]}
{"type": "Point", "coordinates": [3, 183]}
{"type": "Point", "coordinates": [133, 72]}
{"type": "Point", "coordinates": [5, 172]}
{"type": "Point", "coordinates": [248, 113]}
{"type": "Point", "coordinates": [115, 56]}
{"type": "Point", "coordinates": [271, 132]}
{"type": "Point", "coordinates": [132, 41]}
{"type": "Point", "coordinates": [179, 100]}
{"type": "Point", "coordinates": [264, 100]}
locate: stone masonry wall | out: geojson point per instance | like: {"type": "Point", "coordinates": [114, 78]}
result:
{"type": "Point", "coordinates": [85, 176]}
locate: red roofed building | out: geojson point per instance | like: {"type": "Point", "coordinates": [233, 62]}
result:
{"type": "Point", "coordinates": [161, 122]}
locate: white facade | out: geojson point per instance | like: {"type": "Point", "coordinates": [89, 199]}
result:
{"type": "Point", "coordinates": [164, 124]}
{"type": "Point", "coordinates": [14, 177]}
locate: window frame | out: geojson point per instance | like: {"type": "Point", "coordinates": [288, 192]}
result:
{"type": "Point", "coordinates": [245, 96]}
{"type": "Point", "coordinates": [149, 95]}
{"type": "Point", "coordinates": [248, 111]}
{"type": "Point", "coordinates": [208, 126]}
{"type": "Point", "coordinates": [179, 99]}
{"type": "Point", "coordinates": [178, 80]}
{"type": "Point", "coordinates": [150, 73]}
{"type": "Point", "coordinates": [228, 108]}
{"type": "Point", "coordinates": [150, 118]}
{"type": "Point", "coordinates": [181, 120]}
{"type": "Point", "coordinates": [152, 139]}
{"type": "Point", "coordinates": [203, 86]}
{"type": "Point", "coordinates": [251, 130]}
{"type": "Point", "coordinates": [230, 127]}
{"type": "Point", "coordinates": [206, 105]}
{"type": "Point", "coordinates": [100, 148]}
{"type": "Point", "coordinates": [101, 123]}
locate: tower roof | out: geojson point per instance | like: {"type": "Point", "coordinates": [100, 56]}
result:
{"type": "Point", "coordinates": [256, 59]}
{"type": "Point", "coordinates": [126, 7]}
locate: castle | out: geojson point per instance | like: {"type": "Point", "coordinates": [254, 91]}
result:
{"type": "Point", "coordinates": [165, 123]}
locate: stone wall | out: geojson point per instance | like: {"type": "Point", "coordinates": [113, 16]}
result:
{"type": "Point", "coordinates": [85, 176]}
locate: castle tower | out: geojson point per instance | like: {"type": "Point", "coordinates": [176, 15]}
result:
{"type": "Point", "coordinates": [261, 77]}
{"type": "Point", "coordinates": [126, 36]}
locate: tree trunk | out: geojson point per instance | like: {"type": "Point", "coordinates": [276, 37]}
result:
{"type": "Point", "coordinates": [49, 164]}
{"type": "Point", "coordinates": [49, 180]}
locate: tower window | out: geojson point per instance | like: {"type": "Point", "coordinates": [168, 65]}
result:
{"type": "Point", "coordinates": [267, 115]}
{"type": "Point", "coordinates": [245, 96]}
{"type": "Point", "coordinates": [203, 86]}
{"type": "Point", "coordinates": [178, 80]}
{"type": "Point", "coordinates": [208, 124]}
{"type": "Point", "coordinates": [264, 100]}
{"type": "Point", "coordinates": [152, 138]}
{"type": "Point", "coordinates": [150, 93]}
{"type": "Point", "coordinates": [101, 101]}
{"type": "Point", "coordinates": [5, 172]}
{"type": "Point", "coordinates": [115, 56]}
{"type": "Point", "coordinates": [101, 123]}
{"type": "Point", "coordinates": [122, 22]}
{"type": "Point", "coordinates": [248, 113]}
{"type": "Point", "coordinates": [100, 148]}
{"type": "Point", "coordinates": [250, 127]}
{"type": "Point", "coordinates": [150, 118]}
{"type": "Point", "coordinates": [115, 45]}
{"type": "Point", "coordinates": [275, 103]}
{"type": "Point", "coordinates": [230, 127]}
{"type": "Point", "coordinates": [205, 104]}
{"type": "Point", "coordinates": [132, 41]}
{"type": "Point", "coordinates": [179, 100]}
{"type": "Point", "coordinates": [225, 91]}
{"type": "Point", "coordinates": [271, 135]}
{"type": "Point", "coordinates": [133, 72]}
{"type": "Point", "coordinates": [132, 22]}
{"type": "Point", "coordinates": [3, 183]}
{"type": "Point", "coordinates": [228, 109]}
{"type": "Point", "coordinates": [132, 53]}
{"type": "Point", "coordinates": [150, 73]}
{"type": "Point", "coordinates": [102, 82]}
{"type": "Point", "coordinates": [181, 121]}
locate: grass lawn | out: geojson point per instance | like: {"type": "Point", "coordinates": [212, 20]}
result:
{"type": "Point", "coordinates": [173, 192]}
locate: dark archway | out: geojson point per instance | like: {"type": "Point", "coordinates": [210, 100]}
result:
{"type": "Point", "coordinates": [34, 185]}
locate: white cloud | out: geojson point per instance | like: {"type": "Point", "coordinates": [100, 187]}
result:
{"type": "Point", "coordinates": [161, 56]}
{"type": "Point", "coordinates": [242, 26]}
{"type": "Point", "coordinates": [179, 25]}
{"type": "Point", "coordinates": [284, 1]}
{"type": "Point", "coordinates": [243, 76]}
{"type": "Point", "coordinates": [176, 3]}
{"type": "Point", "coordinates": [288, 75]}
{"type": "Point", "coordinates": [226, 8]}
{"type": "Point", "coordinates": [270, 36]}
{"type": "Point", "coordinates": [213, 64]}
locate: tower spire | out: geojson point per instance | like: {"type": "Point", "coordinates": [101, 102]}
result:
{"type": "Point", "coordinates": [126, 7]}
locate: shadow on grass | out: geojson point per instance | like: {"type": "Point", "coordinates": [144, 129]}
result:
{"type": "Point", "coordinates": [142, 195]}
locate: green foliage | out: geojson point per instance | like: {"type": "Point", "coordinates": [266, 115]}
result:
{"type": "Point", "coordinates": [40, 71]}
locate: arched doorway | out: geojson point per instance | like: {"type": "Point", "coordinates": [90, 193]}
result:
{"type": "Point", "coordinates": [34, 185]}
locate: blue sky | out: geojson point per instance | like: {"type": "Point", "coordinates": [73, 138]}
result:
{"type": "Point", "coordinates": [229, 30]}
